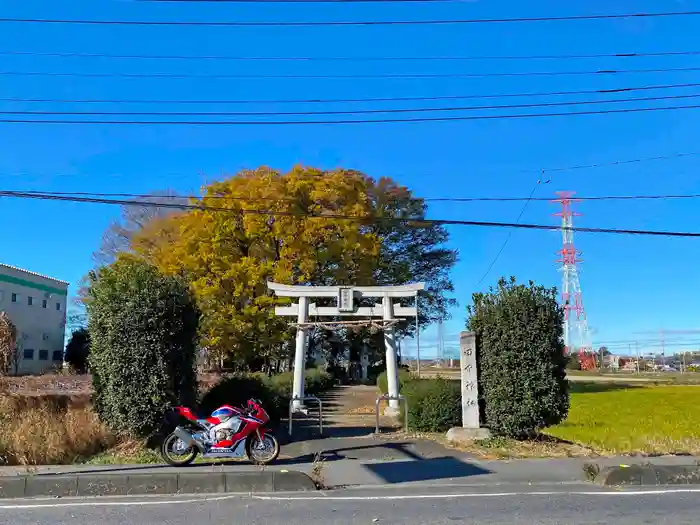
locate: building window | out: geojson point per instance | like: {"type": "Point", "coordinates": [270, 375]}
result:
{"type": "Point", "coordinates": [30, 300]}
{"type": "Point", "coordinates": [43, 355]}
{"type": "Point", "coordinates": [57, 355]}
{"type": "Point", "coordinates": [58, 306]}
{"type": "Point", "coordinates": [14, 297]}
{"type": "Point", "coordinates": [28, 353]}
{"type": "Point", "coordinates": [44, 303]}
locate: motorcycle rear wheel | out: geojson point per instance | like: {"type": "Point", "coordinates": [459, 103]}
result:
{"type": "Point", "coordinates": [184, 456]}
{"type": "Point", "coordinates": [262, 452]}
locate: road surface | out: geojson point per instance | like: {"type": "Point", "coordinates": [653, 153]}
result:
{"type": "Point", "coordinates": [511, 505]}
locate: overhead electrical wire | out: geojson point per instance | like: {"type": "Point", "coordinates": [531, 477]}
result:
{"type": "Point", "coordinates": [352, 100]}
{"type": "Point", "coordinates": [241, 58]}
{"type": "Point", "coordinates": [353, 76]}
{"type": "Point", "coordinates": [303, 1]}
{"type": "Point", "coordinates": [510, 232]}
{"type": "Point", "coordinates": [621, 162]}
{"type": "Point", "coordinates": [285, 199]}
{"type": "Point", "coordinates": [339, 112]}
{"type": "Point", "coordinates": [417, 222]}
{"type": "Point", "coordinates": [236, 23]}
{"type": "Point", "coordinates": [342, 122]}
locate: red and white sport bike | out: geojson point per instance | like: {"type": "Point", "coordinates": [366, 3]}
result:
{"type": "Point", "coordinates": [228, 433]}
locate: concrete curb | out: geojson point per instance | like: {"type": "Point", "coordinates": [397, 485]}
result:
{"type": "Point", "coordinates": [116, 484]}
{"type": "Point", "coordinates": [649, 475]}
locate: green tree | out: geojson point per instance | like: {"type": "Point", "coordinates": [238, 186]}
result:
{"type": "Point", "coordinates": [78, 350]}
{"type": "Point", "coordinates": [293, 228]}
{"type": "Point", "coordinates": [228, 251]}
{"type": "Point", "coordinates": [522, 377]}
{"type": "Point", "coordinates": [142, 328]}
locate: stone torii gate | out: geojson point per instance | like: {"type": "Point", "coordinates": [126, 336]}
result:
{"type": "Point", "coordinates": [388, 311]}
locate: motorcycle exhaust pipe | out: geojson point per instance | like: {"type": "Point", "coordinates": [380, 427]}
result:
{"type": "Point", "coordinates": [187, 438]}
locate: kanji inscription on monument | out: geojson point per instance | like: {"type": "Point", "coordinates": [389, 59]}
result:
{"type": "Point", "coordinates": [470, 385]}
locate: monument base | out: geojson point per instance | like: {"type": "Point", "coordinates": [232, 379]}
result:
{"type": "Point", "coordinates": [392, 411]}
{"type": "Point", "coordinates": [464, 435]}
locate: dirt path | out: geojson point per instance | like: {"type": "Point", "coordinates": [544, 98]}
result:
{"type": "Point", "coordinates": [353, 406]}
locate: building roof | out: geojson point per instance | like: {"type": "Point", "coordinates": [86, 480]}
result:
{"type": "Point", "coordinates": [34, 273]}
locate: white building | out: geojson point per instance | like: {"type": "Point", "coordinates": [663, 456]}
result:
{"type": "Point", "coordinates": [36, 304]}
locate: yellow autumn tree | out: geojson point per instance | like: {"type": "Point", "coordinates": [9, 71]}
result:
{"type": "Point", "coordinates": [258, 226]}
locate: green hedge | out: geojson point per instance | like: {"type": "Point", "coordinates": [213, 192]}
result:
{"type": "Point", "coordinates": [143, 334]}
{"type": "Point", "coordinates": [382, 384]}
{"type": "Point", "coordinates": [434, 405]}
{"type": "Point", "coordinates": [522, 376]}
{"type": "Point", "coordinates": [274, 392]}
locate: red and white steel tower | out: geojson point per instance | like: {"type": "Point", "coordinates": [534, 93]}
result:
{"type": "Point", "coordinates": [576, 335]}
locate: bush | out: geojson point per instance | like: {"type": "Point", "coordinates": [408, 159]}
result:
{"type": "Point", "coordinates": [520, 357]}
{"type": "Point", "coordinates": [237, 390]}
{"type": "Point", "coordinates": [434, 405]}
{"type": "Point", "coordinates": [78, 350]}
{"type": "Point", "coordinates": [275, 392]}
{"type": "Point", "coordinates": [383, 385]}
{"type": "Point", "coordinates": [143, 328]}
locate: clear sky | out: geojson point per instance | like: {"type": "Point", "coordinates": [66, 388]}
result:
{"type": "Point", "coordinates": [630, 284]}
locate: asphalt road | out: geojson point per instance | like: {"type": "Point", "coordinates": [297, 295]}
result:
{"type": "Point", "coordinates": [510, 505]}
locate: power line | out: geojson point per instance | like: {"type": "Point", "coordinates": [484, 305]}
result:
{"type": "Point", "coordinates": [510, 233]}
{"type": "Point", "coordinates": [627, 161]}
{"type": "Point", "coordinates": [351, 100]}
{"type": "Point", "coordinates": [232, 23]}
{"type": "Point", "coordinates": [245, 76]}
{"type": "Point", "coordinates": [302, 1]}
{"type": "Point", "coordinates": [343, 122]}
{"type": "Point", "coordinates": [341, 112]}
{"type": "Point", "coordinates": [239, 58]}
{"type": "Point", "coordinates": [417, 222]}
{"type": "Point", "coordinates": [527, 199]}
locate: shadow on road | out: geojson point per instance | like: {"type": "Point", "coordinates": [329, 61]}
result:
{"type": "Point", "coordinates": [424, 470]}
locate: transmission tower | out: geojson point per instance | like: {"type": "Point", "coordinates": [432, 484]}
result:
{"type": "Point", "coordinates": [576, 335]}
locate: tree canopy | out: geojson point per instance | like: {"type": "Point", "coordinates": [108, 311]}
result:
{"type": "Point", "coordinates": [306, 226]}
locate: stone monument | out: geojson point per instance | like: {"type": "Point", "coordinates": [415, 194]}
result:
{"type": "Point", "coordinates": [471, 428]}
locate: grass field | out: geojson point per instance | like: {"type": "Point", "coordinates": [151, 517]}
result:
{"type": "Point", "coordinates": [617, 419]}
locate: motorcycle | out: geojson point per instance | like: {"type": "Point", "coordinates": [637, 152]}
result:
{"type": "Point", "coordinates": [228, 432]}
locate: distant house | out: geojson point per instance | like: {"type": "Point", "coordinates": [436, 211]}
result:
{"type": "Point", "coordinates": [36, 304]}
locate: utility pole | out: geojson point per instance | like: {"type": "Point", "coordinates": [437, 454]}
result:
{"type": "Point", "coordinates": [636, 347]}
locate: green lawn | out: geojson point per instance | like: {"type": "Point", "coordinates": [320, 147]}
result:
{"type": "Point", "coordinates": [616, 418]}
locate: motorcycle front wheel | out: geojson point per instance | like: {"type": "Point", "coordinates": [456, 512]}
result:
{"type": "Point", "coordinates": [176, 453]}
{"type": "Point", "coordinates": [262, 451]}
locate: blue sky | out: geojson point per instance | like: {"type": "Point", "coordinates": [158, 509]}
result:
{"type": "Point", "coordinates": [630, 284]}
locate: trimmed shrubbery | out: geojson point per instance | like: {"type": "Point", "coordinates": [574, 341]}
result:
{"type": "Point", "coordinates": [522, 376]}
{"type": "Point", "coordinates": [143, 332]}
{"type": "Point", "coordinates": [434, 405]}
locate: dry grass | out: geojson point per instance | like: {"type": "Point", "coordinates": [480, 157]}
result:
{"type": "Point", "coordinates": [45, 430]}
{"type": "Point", "coordinates": [47, 420]}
